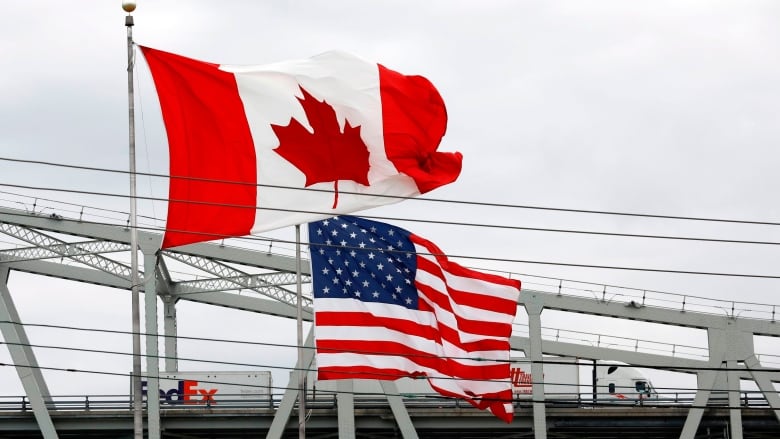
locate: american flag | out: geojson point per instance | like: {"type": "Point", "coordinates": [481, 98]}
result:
{"type": "Point", "coordinates": [389, 304]}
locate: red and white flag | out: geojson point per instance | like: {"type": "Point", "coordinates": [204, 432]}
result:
{"type": "Point", "coordinates": [254, 148]}
{"type": "Point", "coordinates": [389, 304]}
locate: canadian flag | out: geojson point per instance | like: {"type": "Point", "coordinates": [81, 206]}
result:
{"type": "Point", "coordinates": [254, 148]}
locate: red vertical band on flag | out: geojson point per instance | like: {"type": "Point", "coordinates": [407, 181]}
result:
{"type": "Point", "coordinates": [414, 120]}
{"type": "Point", "coordinates": [211, 150]}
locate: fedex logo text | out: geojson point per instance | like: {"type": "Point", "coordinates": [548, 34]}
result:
{"type": "Point", "coordinates": [187, 392]}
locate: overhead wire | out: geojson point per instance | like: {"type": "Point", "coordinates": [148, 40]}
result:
{"type": "Point", "coordinates": [543, 362]}
{"type": "Point", "coordinates": [520, 261]}
{"type": "Point", "coordinates": [426, 199]}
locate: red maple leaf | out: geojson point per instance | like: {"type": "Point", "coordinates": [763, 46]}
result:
{"type": "Point", "coordinates": [327, 154]}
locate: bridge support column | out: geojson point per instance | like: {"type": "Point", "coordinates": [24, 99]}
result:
{"type": "Point", "coordinates": [704, 382]}
{"type": "Point", "coordinates": [735, 411]}
{"type": "Point", "coordinates": [534, 309]}
{"type": "Point", "coordinates": [763, 382]}
{"type": "Point", "coordinates": [291, 393]}
{"type": "Point", "coordinates": [24, 359]}
{"type": "Point", "coordinates": [345, 401]}
{"type": "Point", "coordinates": [152, 348]}
{"type": "Point", "coordinates": [399, 410]}
{"type": "Point", "coordinates": [170, 331]}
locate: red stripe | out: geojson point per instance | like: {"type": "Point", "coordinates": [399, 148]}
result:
{"type": "Point", "coordinates": [414, 120]}
{"type": "Point", "coordinates": [445, 366]}
{"type": "Point", "coordinates": [493, 401]}
{"type": "Point", "coordinates": [361, 372]}
{"type": "Point", "coordinates": [482, 327]}
{"type": "Point", "coordinates": [459, 270]}
{"type": "Point", "coordinates": [366, 319]}
{"type": "Point", "coordinates": [208, 138]}
{"type": "Point", "coordinates": [473, 299]}
{"type": "Point", "coordinates": [443, 332]}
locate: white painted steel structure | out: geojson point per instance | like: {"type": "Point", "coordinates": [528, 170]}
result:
{"type": "Point", "coordinates": [729, 357]}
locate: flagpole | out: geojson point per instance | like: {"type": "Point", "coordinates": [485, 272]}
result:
{"type": "Point", "coordinates": [299, 317]}
{"type": "Point", "coordinates": [138, 426]}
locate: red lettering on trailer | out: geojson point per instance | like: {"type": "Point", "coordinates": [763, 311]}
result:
{"type": "Point", "coordinates": [208, 396]}
{"type": "Point", "coordinates": [521, 380]}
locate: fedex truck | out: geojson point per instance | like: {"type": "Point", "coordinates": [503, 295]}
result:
{"type": "Point", "coordinates": [210, 388]}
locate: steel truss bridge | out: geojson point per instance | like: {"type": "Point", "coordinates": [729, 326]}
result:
{"type": "Point", "coordinates": [94, 253]}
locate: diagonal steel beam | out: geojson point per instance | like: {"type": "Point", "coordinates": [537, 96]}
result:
{"type": "Point", "coordinates": [234, 278]}
{"type": "Point", "coordinates": [236, 282]}
{"type": "Point", "coordinates": [56, 251]}
{"type": "Point", "coordinates": [63, 249]}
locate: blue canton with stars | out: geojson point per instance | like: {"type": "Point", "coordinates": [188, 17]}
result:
{"type": "Point", "coordinates": [357, 258]}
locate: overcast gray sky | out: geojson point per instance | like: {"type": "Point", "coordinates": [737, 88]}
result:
{"type": "Point", "coordinates": [662, 107]}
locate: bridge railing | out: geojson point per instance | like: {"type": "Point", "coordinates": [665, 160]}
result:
{"type": "Point", "coordinates": [21, 404]}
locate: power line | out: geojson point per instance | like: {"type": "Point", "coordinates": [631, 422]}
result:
{"type": "Point", "coordinates": [437, 200]}
{"type": "Point", "coordinates": [425, 221]}
{"type": "Point", "coordinates": [548, 360]}
{"type": "Point", "coordinates": [519, 261]}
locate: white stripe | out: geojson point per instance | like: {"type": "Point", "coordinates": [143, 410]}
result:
{"type": "Point", "coordinates": [375, 308]}
{"type": "Point", "coordinates": [368, 333]}
{"type": "Point", "coordinates": [469, 284]}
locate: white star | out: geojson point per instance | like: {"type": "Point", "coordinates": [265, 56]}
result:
{"type": "Point", "coordinates": [389, 277]}
{"type": "Point", "coordinates": [408, 301]}
{"type": "Point", "coordinates": [344, 226]}
{"type": "Point", "coordinates": [398, 289]}
{"type": "Point", "coordinates": [371, 255]}
{"type": "Point", "coordinates": [326, 222]}
{"type": "Point", "coordinates": [325, 290]}
{"type": "Point", "coordinates": [391, 232]}
{"type": "Point", "coordinates": [339, 271]}
{"type": "Point", "coordinates": [343, 243]}
{"type": "Point", "coordinates": [353, 253]}
{"type": "Point", "coordinates": [365, 283]}
{"type": "Point", "coordinates": [335, 232]}
{"type": "Point", "coordinates": [319, 232]}
{"type": "Point", "coordinates": [335, 280]}
{"type": "Point", "coordinates": [355, 273]}
{"type": "Point", "coordinates": [357, 293]}
{"type": "Point", "coordinates": [362, 244]}
{"type": "Point", "coordinates": [348, 282]}
{"type": "Point", "coordinates": [325, 270]}
{"type": "Point", "coordinates": [353, 235]}
{"type": "Point", "coordinates": [376, 295]}
{"type": "Point", "coordinates": [380, 266]}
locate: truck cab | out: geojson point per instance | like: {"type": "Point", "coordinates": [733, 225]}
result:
{"type": "Point", "coordinates": [615, 381]}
